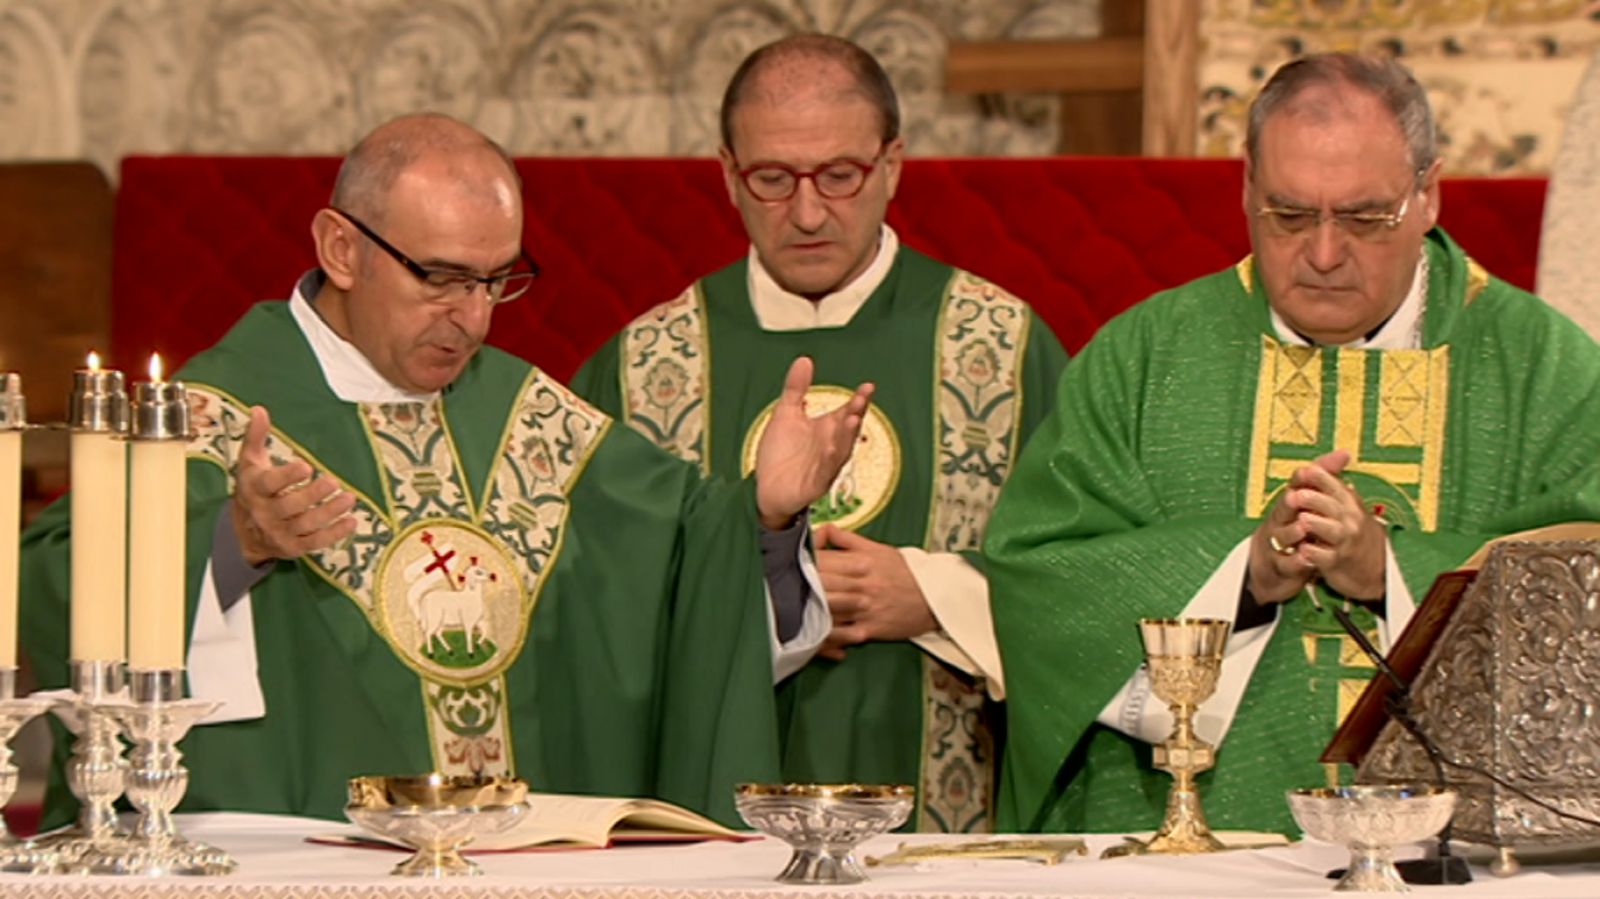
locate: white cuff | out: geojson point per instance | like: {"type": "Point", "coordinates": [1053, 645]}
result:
{"type": "Point", "coordinates": [1398, 605]}
{"type": "Point", "coordinates": [958, 596]}
{"type": "Point", "coordinates": [1136, 712]}
{"type": "Point", "coordinates": [222, 657]}
{"type": "Point", "coordinates": [815, 622]}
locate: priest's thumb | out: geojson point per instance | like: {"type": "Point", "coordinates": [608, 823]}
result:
{"type": "Point", "coordinates": [254, 451]}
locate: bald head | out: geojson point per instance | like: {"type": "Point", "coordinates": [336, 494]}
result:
{"type": "Point", "coordinates": [429, 141]}
{"type": "Point", "coordinates": [840, 71]}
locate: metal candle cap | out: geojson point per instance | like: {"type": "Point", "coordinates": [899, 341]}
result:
{"type": "Point", "coordinates": [160, 411]}
{"type": "Point", "coordinates": [99, 401]}
{"type": "Point", "coordinates": [13, 406]}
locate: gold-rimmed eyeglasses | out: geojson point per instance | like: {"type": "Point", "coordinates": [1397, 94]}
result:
{"type": "Point", "coordinates": [452, 285]}
{"type": "Point", "coordinates": [1299, 221]}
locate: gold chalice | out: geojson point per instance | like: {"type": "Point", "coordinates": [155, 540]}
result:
{"type": "Point", "coordinates": [437, 815]}
{"type": "Point", "coordinates": [1184, 657]}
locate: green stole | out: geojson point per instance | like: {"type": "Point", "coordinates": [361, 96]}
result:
{"type": "Point", "coordinates": [1110, 517]}
{"type": "Point", "coordinates": [698, 376]}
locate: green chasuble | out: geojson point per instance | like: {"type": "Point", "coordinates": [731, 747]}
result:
{"type": "Point", "coordinates": [529, 590]}
{"type": "Point", "coordinates": [964, 371]}
{"type": "Point", "coordinates": [1172, 434]}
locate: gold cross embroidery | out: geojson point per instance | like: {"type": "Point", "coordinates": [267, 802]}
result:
{"type": "Point", "coordinates": [1401, 441]}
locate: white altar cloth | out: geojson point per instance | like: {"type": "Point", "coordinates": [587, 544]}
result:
{"type": "Point", "coordinates": [275, 862]}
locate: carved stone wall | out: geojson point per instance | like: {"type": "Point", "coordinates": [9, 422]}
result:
{"type": "Point", "coordinates": [98, 79]}
{"type": "Point", "coordinates": [104, 78]}
{"type": "Point", "coordinates": [1501, 74]}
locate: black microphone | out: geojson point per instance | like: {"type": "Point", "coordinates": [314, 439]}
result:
{"type": "Point", "coordinates": [1447, 868]}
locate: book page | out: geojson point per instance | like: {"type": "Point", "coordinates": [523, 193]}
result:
{"type": "Point", "coordinates": [575, 821]}
{"type": "Point", "coordinates": [590, 820]}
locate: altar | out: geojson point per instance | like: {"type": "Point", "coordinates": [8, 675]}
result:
{"type": "Point", "coordinates": [276, 862]}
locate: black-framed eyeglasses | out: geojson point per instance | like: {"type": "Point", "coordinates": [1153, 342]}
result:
{"type": "Point", "coordinates": [838, 179]}
{"type": "Point", "coordinates": [449, 285]}
{"type": "Point", "coordinates": [1298, 221]}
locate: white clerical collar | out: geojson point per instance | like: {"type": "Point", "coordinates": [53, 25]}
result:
{"type": "Point", "coordinates": [1403, 330]}
{"type": "Point", "coordinates": [779, 310]}
{"type": "Point", "coordinates": [349, 374]}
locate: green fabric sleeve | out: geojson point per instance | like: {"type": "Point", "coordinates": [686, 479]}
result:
{"type": "Point", "coordinates": [599, 379]}
{"type": "Point", "coordinates": [1078, 521]}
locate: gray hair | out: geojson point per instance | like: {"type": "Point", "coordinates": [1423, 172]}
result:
{"type": "Point", "coordinates": [1379, 76]}
{"type": "Point", "coordinates": [871, 81]}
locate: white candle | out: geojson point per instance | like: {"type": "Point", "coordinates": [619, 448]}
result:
{"type": "Point", "coordinates": [156, 544]}
{"type": "Point", "coordinates": [99, 515]}
{"type": "Point", "coordinates": [12, 419]}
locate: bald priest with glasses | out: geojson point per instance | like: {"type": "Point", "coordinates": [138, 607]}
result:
{"type": "Point", "coordinates": [811, 157]}
{"type": "Point", "coordinates": [410, 552]}
{"type": "Point", "coordinates": [1346, 413]}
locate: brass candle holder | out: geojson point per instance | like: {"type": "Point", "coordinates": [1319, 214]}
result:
{"type": "Point", "coordinates": [1184, 659]}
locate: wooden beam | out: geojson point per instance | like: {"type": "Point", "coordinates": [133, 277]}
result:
{"type": "Point", "coordinates": [995, 67]}
{"type": "Point", "coordinates": [1171, 77]}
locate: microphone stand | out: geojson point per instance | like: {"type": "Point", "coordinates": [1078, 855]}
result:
{"type": "Point", "coordinates": [1447, 868]}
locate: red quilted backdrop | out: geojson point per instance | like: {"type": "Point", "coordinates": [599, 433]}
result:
{"type": "Point", "coordinates": [200, 238]}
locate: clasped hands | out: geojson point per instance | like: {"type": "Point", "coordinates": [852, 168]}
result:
{"type": "Point", "coordinates": [1319, 528]}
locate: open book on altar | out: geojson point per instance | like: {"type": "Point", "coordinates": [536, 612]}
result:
{"type": "Point", "coordinates": [1367, 717]}
{"type": "Point", "coordinates": [555, 820]}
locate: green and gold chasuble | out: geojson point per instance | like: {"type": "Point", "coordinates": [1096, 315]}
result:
{"type": "Point", "coordinates": [963, 371]}
{"type": "Point", "coordinates": [529, 590]}
{"type": "Point", "coordinates": [1173, 432]}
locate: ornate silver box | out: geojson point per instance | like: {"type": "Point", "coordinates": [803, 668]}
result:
{"type": "Point", "coordinates": [1511, 685]}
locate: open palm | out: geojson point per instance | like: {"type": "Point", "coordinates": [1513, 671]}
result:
{"type": "Point", "coordinates": [799, 455]}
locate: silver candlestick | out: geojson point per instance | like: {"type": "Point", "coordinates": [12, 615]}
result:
{"type": "Point", "coordinates": [15, 854]}
{"type": "Point", "coordinates": [97, 771]}
{"type": "Point", "coordinates": [156, 720]}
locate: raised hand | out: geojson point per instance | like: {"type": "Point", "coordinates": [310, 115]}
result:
{"type": "Point", "coordinates": [871, 591]}
{"type": "Point", "coordinates": [799, 456]}
{"type": "Point", "coordinates": [282, 511]}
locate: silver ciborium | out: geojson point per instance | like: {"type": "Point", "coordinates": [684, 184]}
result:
{"type": "Point", "coordinates": [436, 814]}
{"type": "Point", "coordinates": [1371, 821]}
{"type": "Point", "coordinates": [1184, 658]}
{"type": "Point", "coordinates": [824, 823]}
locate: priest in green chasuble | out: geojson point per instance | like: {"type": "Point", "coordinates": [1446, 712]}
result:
{"type": "Point", "coordinates": [812, 156]}
{"type": "Point", "coordinates": [410, 552]}
{"type": "Point", "coordinates": [1337, 419]}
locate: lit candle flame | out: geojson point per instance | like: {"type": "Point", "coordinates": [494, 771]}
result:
{"type": "Point", "coordinates": [94, 361]}
{"type": "Point", "coordinates": [155, 367]}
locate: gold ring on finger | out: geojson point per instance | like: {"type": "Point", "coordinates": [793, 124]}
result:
{"type": "Point", "coordinates": [1279, 548]}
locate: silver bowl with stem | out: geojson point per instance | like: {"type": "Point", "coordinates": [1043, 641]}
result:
{"type": "Point", "coordinates": [824, 823]}
{"type": "Point", "coordinates": [437, 815]}
{"type": "Point", "coordinates": [1371, 821]}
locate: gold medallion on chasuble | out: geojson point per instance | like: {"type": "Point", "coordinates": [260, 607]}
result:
{"type": "Point", "coordinates": [451, 602]}
{"type": "Point", "coordinates": [868, 479]}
